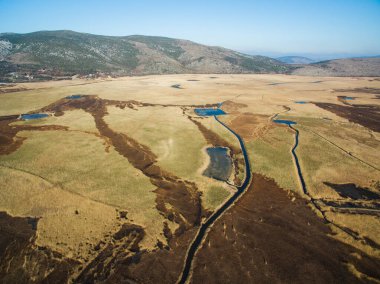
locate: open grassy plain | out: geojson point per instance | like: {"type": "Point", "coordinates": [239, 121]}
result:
{"type": "Point", "coordinates": [112, 182]}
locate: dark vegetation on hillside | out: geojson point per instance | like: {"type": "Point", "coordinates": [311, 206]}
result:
{"type": "Point", "coordinates": [49, 54]}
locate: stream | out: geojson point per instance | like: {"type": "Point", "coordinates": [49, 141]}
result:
{"type": "Point", "coordinates": [303, 184]}
{"type": "Point", "coordinates": [196, 244]}
{"type": "Point", "coordinates": [300, 176]}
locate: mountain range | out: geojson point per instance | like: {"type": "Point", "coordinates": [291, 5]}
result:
{"type": "Point", "coordinates": [295, 60]}
{"type": "Point", "coordinates": [58, 54]}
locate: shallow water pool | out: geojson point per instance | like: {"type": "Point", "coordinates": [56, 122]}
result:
{"type": "Point", "coordinates": [284, 121]}
{"type": "Point", "coordinates": [209, 111]}
{"type": "Point", "coordinates": [220, 166]}
{"type": "Point", "coordinates": [74, 97]}
{"type": "Point", "coordinates": [33, 116]}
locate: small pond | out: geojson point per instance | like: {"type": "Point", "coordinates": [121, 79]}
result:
{"type": "Point", "coordinates": [301, 102]}
{"type": "Point", "coordinates": [346, 98]}
{"type": "Point", "coordinates": [209, 111]}
{"type": "Point", "coordinates": [284, 121]}
{"type": "Point", "coordinates": [74, 97]}
{"type": "Point", "coordinates": [220, 166]}
{"type": "Point", "coordinates": [275, 84]}
{"type": "Point", "coordinates": [33, 116]}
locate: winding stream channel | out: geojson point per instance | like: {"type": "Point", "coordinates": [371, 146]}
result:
{"type": "Point", "coordinates": [303, 183]}
{"type": "Point", "coordinates": [300, 176]}
{"type": "Point", "coordinates": [196, 244]}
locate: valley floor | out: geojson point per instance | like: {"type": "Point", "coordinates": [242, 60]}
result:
{"type": "Point", "coordinates": [110, 186]}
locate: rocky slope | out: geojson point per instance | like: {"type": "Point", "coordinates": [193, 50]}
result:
{"type": "Point", "coordinates": [295, 60]}
{"type": "Point", "coordinates": [52, 53]}
{"type": "Point", "coordinates": [342, 67]}
{"type": "Point", "coordinates": [48, 55]}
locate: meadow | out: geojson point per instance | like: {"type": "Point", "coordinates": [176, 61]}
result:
{"type": "Point", "coordinates": [77, 183]}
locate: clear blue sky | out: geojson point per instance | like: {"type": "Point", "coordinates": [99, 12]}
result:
{"type": "Point", "coordinates": [261, 26]}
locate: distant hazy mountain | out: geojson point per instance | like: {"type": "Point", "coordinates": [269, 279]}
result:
{"type": "Point", "coordinates": [295, 60]}
{"type": "Point", "coordinates": [342, 67]}
{"type": "Point", "coordinates": [68, 53]}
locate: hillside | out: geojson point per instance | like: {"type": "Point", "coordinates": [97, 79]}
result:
{"type": "Point", "coordinates": [295, 60]}
{"type": "Point", "coordinates": [342, 67]}
{"type": "Point", "coordinates": [58, 53]}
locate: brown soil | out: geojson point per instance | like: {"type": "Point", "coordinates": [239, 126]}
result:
{"type": "Point", "coordinates": [9, 141]}
{"type": "Point", "coordinates": [343, 100]}
{"type": "Point", "coordinates": [22, 261]}
{"type": "Point", "coordinates": [232, 107]}
{"type": "Point", "coordinates": [163, 265]}
{"type": "Point", "coordinates": [213, 138]}
{"type": "Point", "coordinates": [365, 115]}
{"type": "Point", "coordinates": [249, 125]}
{"type": "Point", "coordinates": [268, 238]}
{"type": "Point", "coordinates": [11, 90]}
{"type": "Point", "coordinates": [183, 196]}
{"type": "Point", "coordinates": [113, 263]}
{"type": "Point", "coordinates": [360, 90]}
{"type": "Point", "coordinates": [123, 251]}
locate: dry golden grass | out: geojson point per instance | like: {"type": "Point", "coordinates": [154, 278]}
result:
{"type": "Point", "coordinates": [365, 225]}
{"type": "Point", "coordinates": [78, 163]}
{"type": "Point", "coordinates": [83, 176]}
{"type": "Point", "coordinates": [322, 162]}
{"type": "Point", "coordinates": [75, 119]}
{"type": "Point", "coordinates": [24, 194]}
{"type": "Point", "coordinates": [270, 155]}
{"type": "Point", "coordinates": [167, 132]}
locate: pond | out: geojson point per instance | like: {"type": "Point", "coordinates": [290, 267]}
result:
{"type": "Point", "coordinates": [209, 111]}
{"type": "Point", "coordinates": [74, 97]}
{"type": "Point", "coordinates": [284, 121]}
{"type": "Point", "coordinates": [33, 116]}
{"type": "Point", "coordinates": [220, 166]}
{"type": "Point", "coordinates": [301, 102]}
{"type": "Point", "coordinates": [275, 84]}
{"type": "Point", "coordinates": [346, 98]}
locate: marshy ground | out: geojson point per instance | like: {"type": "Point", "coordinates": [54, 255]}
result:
{"type": "Point", "coordinates": [110, 185]}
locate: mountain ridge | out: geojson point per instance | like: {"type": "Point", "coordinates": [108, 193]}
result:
{"type": "Point", "coordinates": [46, 55]}
{"type": "Point", "coordinates": [67, 52]}
{"type": "Point", "coordinates": [295, 59]}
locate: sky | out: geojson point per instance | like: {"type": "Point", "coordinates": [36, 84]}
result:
{"type": "Point", "coordinates": [269, 27]}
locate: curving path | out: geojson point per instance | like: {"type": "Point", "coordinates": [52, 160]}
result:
{"type": "Point", "coordinates": [195, 245]}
